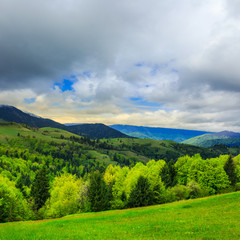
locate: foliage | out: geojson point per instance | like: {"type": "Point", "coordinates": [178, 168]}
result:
{"type": "Point", "coordinates": [98, 193]}
{"type": "Point", "coordinates": [94, 175]}
{"type": "Point", "coordinates": [141, 195]}
{"type": "Point", "coordinates": [229, 168]}
{"type": "Point", "coordinates": [40, 188]}
{"type": "Point", "coordinates": [13, 206]}
{"type": "Point", "coordinates": [64, 196]}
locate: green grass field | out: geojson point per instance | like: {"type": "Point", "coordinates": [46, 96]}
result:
{"type": "Point", "coordinates": [216, 217]}
{"type": "Point", "coordinates": [11, 130]}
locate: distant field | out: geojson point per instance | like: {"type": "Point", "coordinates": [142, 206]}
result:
{"type": "Point", "coordinates": [216, 217]}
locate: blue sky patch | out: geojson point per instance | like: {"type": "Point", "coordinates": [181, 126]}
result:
{"type": "Point", "coordinates": [144, 103]}
{"type": "Point", "coordinates": [66, 85]}
{"type": "Point", "coordinates": [140, 64]}
{"type": "Point", "coordinates": [29, 100]}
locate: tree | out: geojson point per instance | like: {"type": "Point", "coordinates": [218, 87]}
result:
{"type": "Point", "coordinates": [165, 176]}
{"type": "Point", "coordinates": [141, 195]}
{"type": "Point", "coordinates": [229, 168]}
{"type": "Point", "coordinates": [64, 195]}
{"type": "Point", "coordinates": [13, 206]}
{"type": "Point", "coordinates": [40, 188]}
{"type": "Point", "coordinates": [98, 194]}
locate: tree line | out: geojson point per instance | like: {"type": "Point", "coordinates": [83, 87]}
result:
{"type": "Point", "coordinates": [116, 187]}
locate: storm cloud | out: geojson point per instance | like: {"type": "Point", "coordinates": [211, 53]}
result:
{"type": "Point", "coordinates": [155, 63]}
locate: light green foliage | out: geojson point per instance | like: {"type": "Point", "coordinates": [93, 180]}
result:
{"type": "Point", "coordinates": [237, 167]}
{"type": "Point", "coordinates": [182, 167]}
{"type": "Point", "coordinates": [85, 205]}
{"type": "Point", "coordinates": [195, 190]}
{"type": "Point", "coordinates": [118, 188]}
{"type": "Point", "coordinates": [180, 192]}
{"type": "Point", "coordinates": [13, 206]}
{"type": "Point", "coordinates": [64, 194]}
{"type": "Point", "coordinates": [209, 174]}
{"type": "Point", "coordinates": [154, 177]}
{"type": "Point", "coordinates": [110, 174]}
{"type": "Point", "coordinates": [131, 179]}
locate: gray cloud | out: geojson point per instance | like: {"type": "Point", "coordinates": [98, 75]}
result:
{"type": "Point", "coordinates": [182, 55]}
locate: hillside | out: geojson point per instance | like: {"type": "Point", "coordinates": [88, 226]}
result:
{"type": "Point", "coordinates": [177, 135]}
{"type": "Point", "coordinates": [230, 139]}
{"type": "Point", "coordinates": [12, 114]}
{"type": "Point", "coordinates": [129, 150]}
{"type": "Point", "coordinates": [190, 219]}
{"type": "Point", "coordinates": [97, 130]}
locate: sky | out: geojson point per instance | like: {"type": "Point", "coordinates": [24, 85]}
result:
{"type": "Point", "coordinates": [155, 63]}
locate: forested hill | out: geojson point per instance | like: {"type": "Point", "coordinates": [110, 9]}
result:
{"type": "Point", "coordinates": [96, 130]}
{"type": "Point", "coordinates": [230, 139]}
{"type": "Point", "coordinates": [50, 172]}
{"type": "Point", "coordinates": [12, 114]}
{"type": "Point", "coordinates": [177, 135]}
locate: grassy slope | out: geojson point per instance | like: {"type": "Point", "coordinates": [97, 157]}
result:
{"type": "Point", "coordinates": [203, 140]}
{"type": "Point", "coordinates": [11, 131]}
{"type": "Point", "coordinates": [216, 217]}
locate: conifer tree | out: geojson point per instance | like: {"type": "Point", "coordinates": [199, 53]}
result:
{"type": "Point", "coordinates": [40, 188]}
{"type": "Point", "coordinates": [141, 195]}
{"type": "Point", "coordinates": [98, 193]}
{"type": "Point", "coordinates": [165, 176]}
{"type": "Point", "coordinates": [172, 173]}
{"type": "Point", "coordinates": [229, 168]}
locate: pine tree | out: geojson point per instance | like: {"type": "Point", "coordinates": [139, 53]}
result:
{"type": "Point", "coordinates": [141, 195]}
{"type": "Point", "coordinates": [98, 193]}
{"type": "Point", "coordinates": [165, 176]}
{"type": "Point", "coordinates": [229, 168]}
{"type": "Point", "coordinates": [172, 173]}
{"type": "Point", "coordinates": [40, 188]}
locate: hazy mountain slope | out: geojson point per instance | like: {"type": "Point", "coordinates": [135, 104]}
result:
{"type": "Point", "coordinates": [177, 135]}
{"type": "Point", "coordinates": [12, 114]}
{"type": "Point", "coordinates": [227, 138]}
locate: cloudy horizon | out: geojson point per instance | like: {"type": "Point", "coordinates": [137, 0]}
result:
{"type": "Point", "coordinates": [152, 63]}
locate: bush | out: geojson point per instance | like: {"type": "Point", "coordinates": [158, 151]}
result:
{"type": "Point", "coordinates": [13, 206]}
{"type": "Point", "coordinates": [195, 190]}
{"type": "Point", "coordinates": [180, 192]}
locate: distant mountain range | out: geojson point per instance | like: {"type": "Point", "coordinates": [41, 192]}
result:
{"type": "Point", "coordinates": [230, 139]}
{"type": "Point", "coordinates": [98, 130]}
{"type": "Point", "coordinates": [177, 135]}
{"type": "Point", "coordinates": [12, 114]}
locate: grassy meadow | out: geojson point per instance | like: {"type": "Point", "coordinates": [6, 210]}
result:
{"type": "Point", "coordinates": [216, 217]}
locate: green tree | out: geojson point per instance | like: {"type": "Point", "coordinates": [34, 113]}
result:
{"type": "Point", "coordinates": [229, 168]}
{"type": "Point", "coordinates": [141, 195]}
{"type": "Point", "coordinates": [40, 188]}
{"type": "Point", "coordinates": [64, 195]}
{"type": "Point", "coordinates": [98, 194]}
{"type": "Point", "coordinates": [165, 176]}
{"type": "Point", "coordinates": [13, 206]}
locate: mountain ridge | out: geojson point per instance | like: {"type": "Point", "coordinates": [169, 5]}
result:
{"type": "Point", "coordinates": [12, 114]}
{"type": "Point", "coordinates": [157, 133]}
{"type": "Point", "coordinates": [228, 138]}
